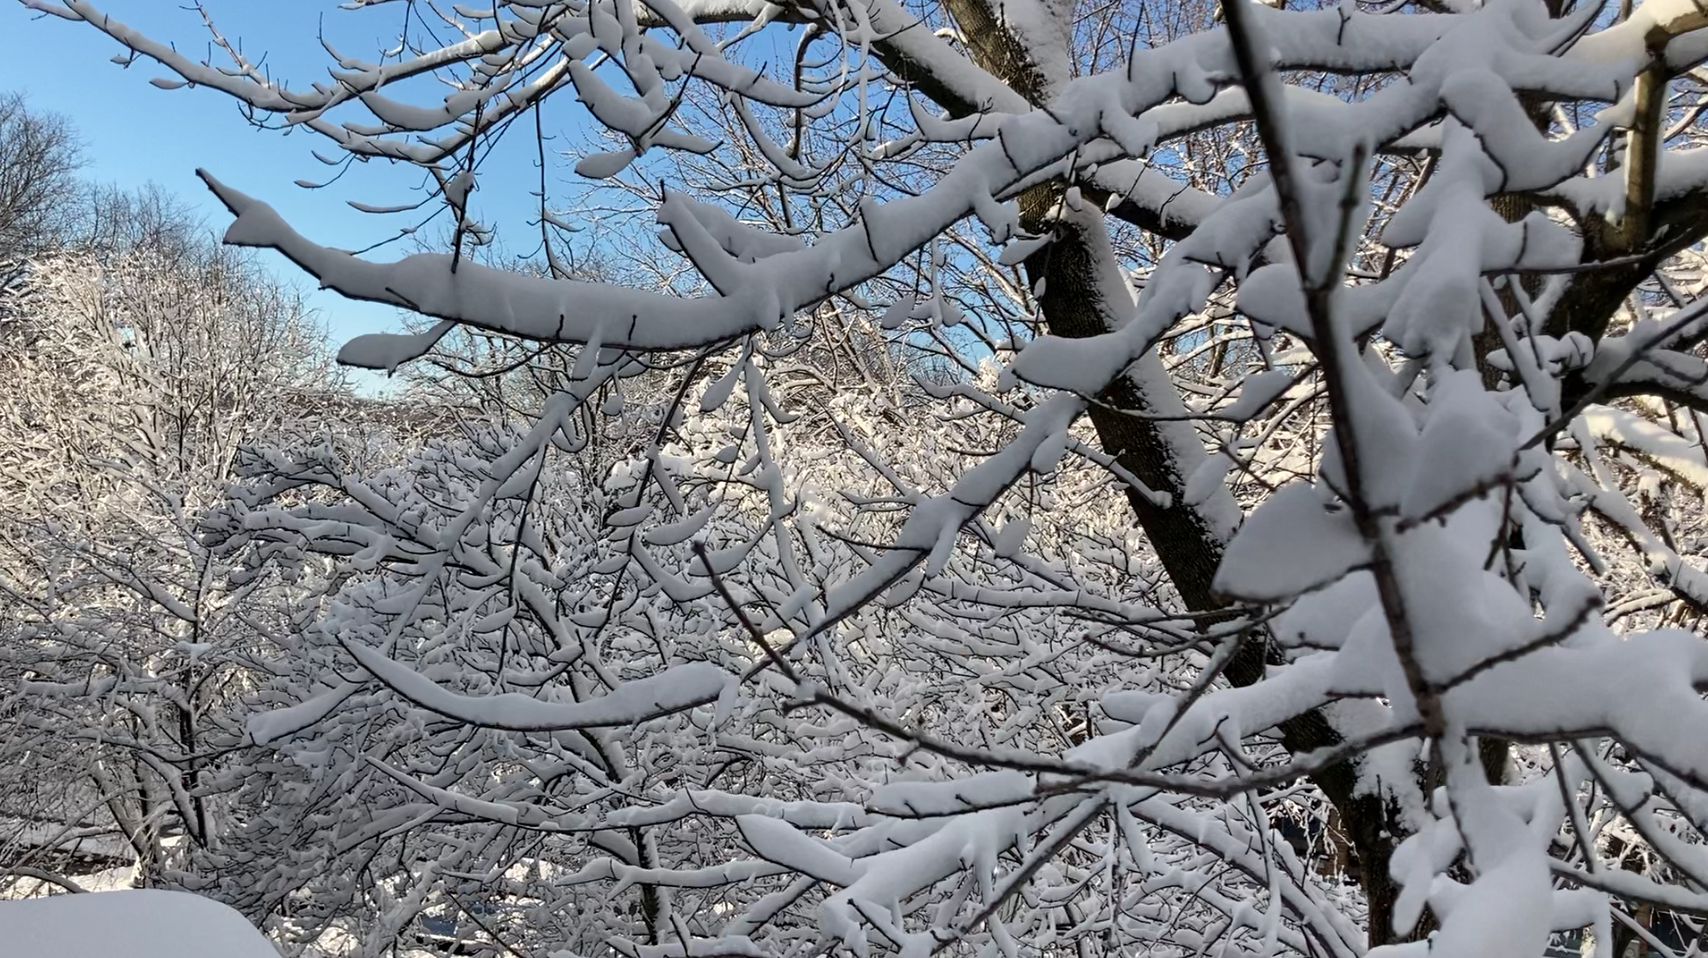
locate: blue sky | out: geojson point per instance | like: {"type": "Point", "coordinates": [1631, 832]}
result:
{"type": "Point", "coordinates": [135, 134]}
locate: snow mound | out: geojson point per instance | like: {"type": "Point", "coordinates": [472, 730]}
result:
{"type": "Point", "coordinates": [127, 924]}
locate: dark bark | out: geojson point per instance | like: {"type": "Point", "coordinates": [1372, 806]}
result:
{"type": "Point", "coordinates": [1593, 298]}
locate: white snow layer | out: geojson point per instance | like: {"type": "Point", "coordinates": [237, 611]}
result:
{"type": "Point", "coordinates": [127, 924]}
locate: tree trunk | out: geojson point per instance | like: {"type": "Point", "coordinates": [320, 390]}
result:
{"type": "Point", "coordinates": [1162, 454]}
{"type": "Point", "coordinates": [1187, 540]}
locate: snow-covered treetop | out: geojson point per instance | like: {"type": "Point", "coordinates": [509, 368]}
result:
{"type": "Point", "coordinates": [1359, 307]}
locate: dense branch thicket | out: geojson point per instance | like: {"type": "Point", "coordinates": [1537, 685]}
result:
{"type": "Point", "coordinates": [1173, 478]}
{"type": "Point", "coordinates": [39, 157]}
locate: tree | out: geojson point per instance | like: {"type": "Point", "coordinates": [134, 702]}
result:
{"type": "Point", "coordinates": [1426, 282]}
{"type": "Point", "coordinates": [137, 366]}
{"type": "Point", "coordinates": [39, 158]}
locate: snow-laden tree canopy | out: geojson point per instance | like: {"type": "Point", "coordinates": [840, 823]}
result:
{"type": "Point", "coordinates": [1062, 452]}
